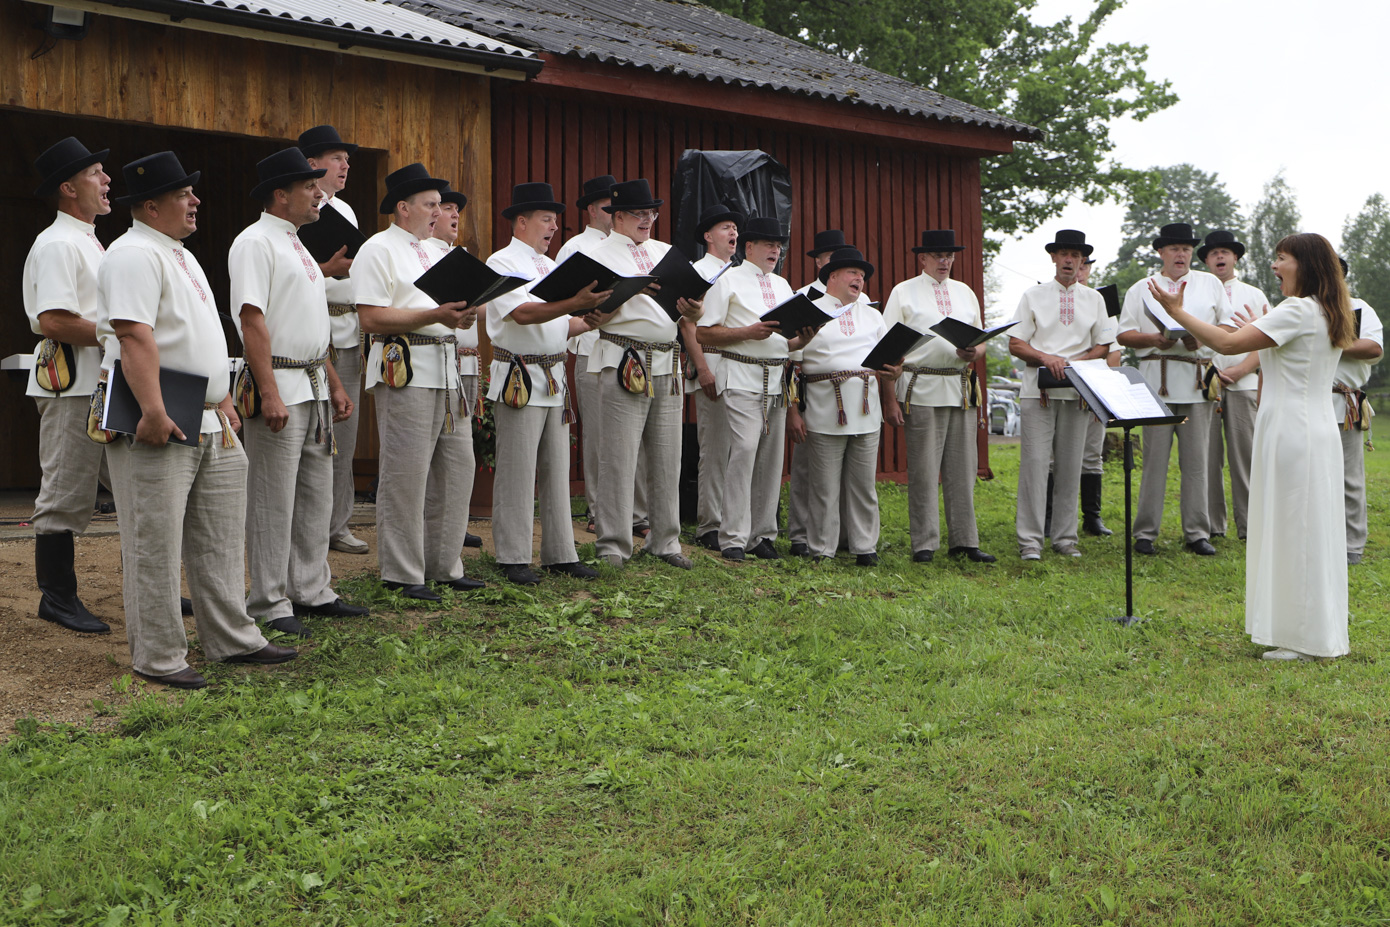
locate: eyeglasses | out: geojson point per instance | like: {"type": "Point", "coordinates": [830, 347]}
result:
{"type": "Point", "coordinates": [642, 214]}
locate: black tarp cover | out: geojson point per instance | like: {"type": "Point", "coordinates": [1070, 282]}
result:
{"type": "Point", "coordinates": [752, 182]}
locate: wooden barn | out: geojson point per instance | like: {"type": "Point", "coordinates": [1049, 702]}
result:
{"type": "Point", "coordinates": [225, 85]}
{"type": "Point", "coordinates": [629, 84]}
{"type": "Point", "coordinates": [489, 93]}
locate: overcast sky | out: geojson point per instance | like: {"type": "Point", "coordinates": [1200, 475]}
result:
{"type": "Point", "coordinates": [1261, 85]}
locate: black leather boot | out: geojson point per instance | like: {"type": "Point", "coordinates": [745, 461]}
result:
{"type": "Point", "coordinates": [1047, 518]}
{"type": "Point", "coordinates": [53, 567]}
{"type": "Point", "coordinates": [1090, 506]}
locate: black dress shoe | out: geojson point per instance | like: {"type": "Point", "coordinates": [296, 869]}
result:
{"type": "Point", "coordinates": [732, 553]}
{"type": "Point", "coordinates": [764, 550]}
{"type": "Point", "coordinates": [288, 625]}
{"type": "Point", "coordinates": [462, 584]}
{"type": "Point", "coordinates": [575, 569]}
{"type": "Point", "coordinates": [1218, 534]}
{"type": "Point", "coordinates": [413, 591]}
{"type": "Point", "coordinates": [1144, 546]}
{"type": "Point", "coordinates": [800, 550]}
{"type": "Point", "coordinates": [973, 554]}
{"type": "Point", "coordinates": [185, 606]}
{"type": "Point", "coordinates": [923, 556]}
{"type": "Point", "coordinates": [519, 573]}
{"type": "Point", "coordinates": [866, 559]}
{"type": "Point", "coordinates": [1093, 526]}
{"type": "Point", "coordinates": [268, 655]}
{"type": "Point", "coordinates": [335, 609]}
{"type": "Point", "coordinates": [186, 678]}
{"type": "Point", "coordinates": [472, 540]}
{"type": "Point", "coordinates": [1201, 547]}
{"type": "Point", "coordinates": [709, 540]}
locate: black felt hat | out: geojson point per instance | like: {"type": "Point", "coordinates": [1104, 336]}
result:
{"type": "Point", "coordinates": [314, 142]}
{"type": "Point", "coordinates": [282, 169]}
{"type": "Point", "coordinates": [527, 197]}
{"type": "Point", "coordinates": [1070, 239]}
{"type": "Point", "coordinates": [828, 240]}
{"type": "Point", "coordinates": [596, 189]}
{"type": "Point", "coordinates": [846, 257]}
{"type": "Point", "coordinates": [630, 195]}
{"type": "Point", "coordinates": [764, 228]}
{"type": "Point", "coordinates": [1221, 238]}
{"type": "Point", "coordinates": [938, 240]}
{"type": "Point", "coordinates": [715, 214]}
{"type": "Point", "coordinates": [1176, 233]}
{"type": "Point", "coordinates": [62, 160]}
{"type": "Point", "coordinates": [453, 196]}
{"type": "Point", "coordinates": [406, 182]}
{"type": "Point", "coordinates": [152, 175]}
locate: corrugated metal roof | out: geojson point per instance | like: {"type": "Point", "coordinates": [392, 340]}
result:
{"type": "Point", "coordinates": [690, 39]}
{"type": "Point", "coordinates": [364, 22]}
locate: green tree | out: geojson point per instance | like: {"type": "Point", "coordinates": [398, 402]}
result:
{"type": "Point", "coordinates": [1186, 194]}
{"type": "Point", "coordinates": [1275, 216]}
{"type": "Point", "coordinates": [989, 53]}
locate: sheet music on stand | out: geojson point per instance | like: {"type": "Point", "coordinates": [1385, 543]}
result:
{"type": "Point", "coordinates": [1123, 398]}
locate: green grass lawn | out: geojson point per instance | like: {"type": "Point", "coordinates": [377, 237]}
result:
{"type": "Point", "coordinates": [778, 744]}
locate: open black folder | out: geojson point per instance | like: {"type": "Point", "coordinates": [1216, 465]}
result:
{"type": "Point", "coordinates": [1111, 294]}
{"type": "Point", "coordinates": [330, 232]}
{"type": "Point", "coordinates": [795, 314]}
{"type": "Point", "coordinates": [900, 341]}
{"type": "Point", "coordinates": [964, 335]}
{"type": "Point", "coordinates": [460, 277]}
{"type": "Point", "coordinates": [183, 402]}
{"type": "Point", "coordinates": [578, 271]}
{"type": "Point", "coordinates": [678, 277]}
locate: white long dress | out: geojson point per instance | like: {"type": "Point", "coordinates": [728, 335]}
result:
{"type": "Point", "coordinates": [1295, 561]}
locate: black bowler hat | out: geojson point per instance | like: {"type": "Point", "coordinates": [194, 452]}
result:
{"type": "Point", "coordinates": [527, 197]}
{"type": "Point", "coordinates": [715, 214]}
{"type": "Point", "coordinates": [631, 195]}
{"type": "Point", "coordinates": [314, 142]}
{"type": "Point", "coordinates": [1176, 233]}
{"type": "Point", "coordinates": [1070, 239]}
{"type": "Point", "coordinates": [453, 196]}
{"type": "Point", "coordinates": [1221, 238]}
{"type": "Point", "coordinates": [62, 160]}
{"type": "Point", "coordinates": [764, 228]}
{"type": "Point", "coordinates": [938, 240]}
{"type": "Point", "coordinates": [1089, 261]}
{"type": "Point", "coordinates": [846, 257]}
{"type": "Point", "coordinates": [827, 241]}
{"type": "Point", "coordinates": [282, 169]}
{"type": "Point", "coordinates": [406, 182]}
{"type": "Point", "coordinates": [596, 189]}
{"type": "Point", "coordinates": [152, 175]}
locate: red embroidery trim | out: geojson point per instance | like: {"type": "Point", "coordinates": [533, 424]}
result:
{"type": "Point", "coordinates": [309, 266]}
{"type": "Point", "coordinates": [178, 256]}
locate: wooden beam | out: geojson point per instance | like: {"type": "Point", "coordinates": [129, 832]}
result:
{"type": "Point", "coordinates": [618, 81]}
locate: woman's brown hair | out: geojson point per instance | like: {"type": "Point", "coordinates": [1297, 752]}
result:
{"type": "Point", "coordinates": [1320, 276]}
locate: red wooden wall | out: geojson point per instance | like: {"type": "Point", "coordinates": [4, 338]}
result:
{"type": "Point", "coordinates": [881, 192]}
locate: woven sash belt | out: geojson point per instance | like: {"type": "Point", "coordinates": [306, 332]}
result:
{"type": "Point", "coordinates": [316, 376]}
{"type": "Point", "coordinates": [547, 363]}
{"type": "Point", "coordinates": [228, 436]}
{"type": "Point", "coordinates": [962, 372]}
{"type": "Point", "coordinates": [1197, 365]}
{"type": "Point", "coordinates": [443, 341]}
{"type": "Point", "coordinates": [768, 364]}
{"type": "Point", "coordinates": [836, 379]}
{"type": "Point", "coordinates": [648, 348]}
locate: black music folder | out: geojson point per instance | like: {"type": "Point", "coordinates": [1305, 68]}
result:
{"type": "Point", "coordinates": [794, 314]}
{"type": "Point", "coordinates": [678, 277]}
{"type": "Point", "coordinates": [330, 232]}
{"type": "Point", "coordinates": [578, 271]}
{"type": "Point", "coordinates": [900, 341]}
{"type": "Point", "coordinates": [964, 335]}
{"type": "Point", "coordinates": [183, 402]}
{"type": "Point", "coordinates": [1111, 294]}
{"type": "Point", "coordinates": [460, 277]}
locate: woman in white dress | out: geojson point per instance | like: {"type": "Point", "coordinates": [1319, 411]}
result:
{"type": "Point", "coordinates": [1295, 560]}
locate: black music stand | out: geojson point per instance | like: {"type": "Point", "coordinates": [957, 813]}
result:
{"type": "Point", "coordinates": [1045, 381]}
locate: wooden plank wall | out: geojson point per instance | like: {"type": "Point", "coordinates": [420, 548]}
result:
{"type": "Point", "coordinates": [222, 103]}
{"type": "Point", "coordinates": [881, 195]}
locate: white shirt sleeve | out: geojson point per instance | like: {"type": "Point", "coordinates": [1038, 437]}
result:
{"type": "Point", "coordinates": [131, 282]}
